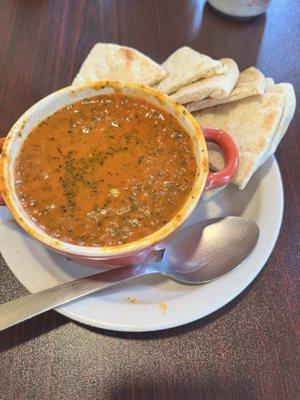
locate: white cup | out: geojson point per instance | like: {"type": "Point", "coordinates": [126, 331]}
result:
{"type": "Point", "coordinates": [240, 8]}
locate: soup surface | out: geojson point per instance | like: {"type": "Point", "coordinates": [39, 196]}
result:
{"type": "Point", "coordinates": [105, 171]}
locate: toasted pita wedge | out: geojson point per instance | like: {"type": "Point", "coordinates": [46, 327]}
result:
{"type": "Point", "coordinates": [252, 123]}
{"type": "Point", "coordinates": [269, 83]}
{"type": "Point", "coordinates": [250, 83]}
{"type": "Point", "coordinates": [287, 90]}
{"type": "Point", "coordinates": [111, 61]}
{"type": "Point", "coordinates": [216, 86]}
{"type": "Point", "coordinates": [186, 66]}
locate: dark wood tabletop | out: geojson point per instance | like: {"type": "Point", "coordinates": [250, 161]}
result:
{"type": "Point", "coordinates": [247, 350]}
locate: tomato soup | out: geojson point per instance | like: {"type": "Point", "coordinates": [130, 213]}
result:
{"type": "Point", "coordinates": [105, 171]}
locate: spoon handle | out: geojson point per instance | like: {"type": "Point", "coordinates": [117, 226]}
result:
{"type": "Point", "coordinates": [23, 308]}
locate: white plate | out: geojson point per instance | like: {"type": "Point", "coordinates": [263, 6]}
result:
{"type": "Point", "coordinates": [155, 303]}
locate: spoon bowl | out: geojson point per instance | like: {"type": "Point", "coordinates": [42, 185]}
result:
{"type": "Point", "coordinates": [206, 251]}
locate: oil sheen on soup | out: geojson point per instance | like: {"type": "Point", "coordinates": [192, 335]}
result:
{"type": "Point", "coordinates": [105, 171]}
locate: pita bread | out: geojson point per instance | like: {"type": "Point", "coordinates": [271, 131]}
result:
{"type": "Point", "coordinates": [269, 83]}
{"type": "Point", "coordinates": [287, 90]}
{"type": "Point", "coordinates": [251, 82]}
{"type": "Point", "coordinates": [216, 86]}
{"type": "Point", "coordinates": [114, 62]}
{"type": "Point", "coordinates": [252, 123]}
{"type": "Point", "coordinates": [186, 66]}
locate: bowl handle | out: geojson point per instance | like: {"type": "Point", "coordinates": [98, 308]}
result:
{"type": "Point", "coordinates": [231, 155]}
{"type": "Point", "coordinates": [2, 139]}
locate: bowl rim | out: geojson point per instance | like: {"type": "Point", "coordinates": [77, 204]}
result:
{"type": "Point", "coordinates": [125, 249]}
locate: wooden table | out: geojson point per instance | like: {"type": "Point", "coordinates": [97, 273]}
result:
{"type": "Point", "coordinates": [248, 349]}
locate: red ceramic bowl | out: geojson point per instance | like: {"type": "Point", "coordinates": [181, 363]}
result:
{"type": "Point", "coordinates": [146, 247]}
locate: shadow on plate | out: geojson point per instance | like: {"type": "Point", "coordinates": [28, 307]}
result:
{"type": "Point", "coordinates": [214, 207]}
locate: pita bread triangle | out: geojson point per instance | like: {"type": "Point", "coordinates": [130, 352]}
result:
{"type": "Point", "coordinates": [113, 62]}
{"type": "Point", "coordinates": [186, 66]}
{"type": "Point", "coordinates": [252, 123]}
{"type": "Point", "coordinates": [250, 83]}
{"type": "Point", "coordinates": [214, 87]}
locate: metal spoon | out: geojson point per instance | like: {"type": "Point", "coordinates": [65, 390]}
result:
{"type": "Point", "coordinates": [198, 254]}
